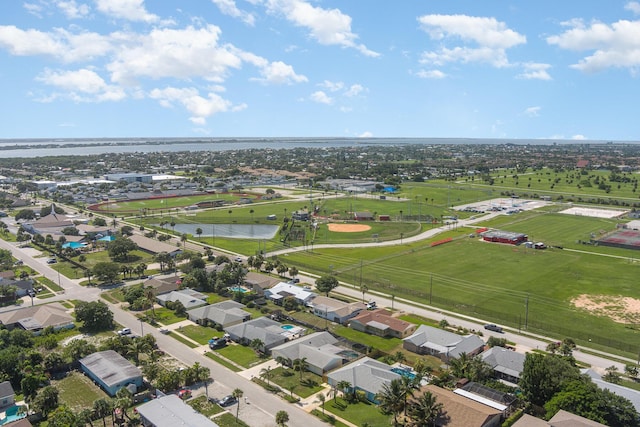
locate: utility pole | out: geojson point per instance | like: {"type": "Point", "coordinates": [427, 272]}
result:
{"type": "Point", "coordinates": [526, 313]}
{"type": "Point", "coordinates": [431, 289]}
{"type": "Point", "coordinates": [360, 273]}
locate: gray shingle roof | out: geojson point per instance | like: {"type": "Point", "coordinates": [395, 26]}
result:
{"type": "Point", "coordinates": [6, 389]}
{"type": "Point", "coordinates": [366, 374]}
{"type": "Point", "coordinates": [505, 361]}
{"type": "Point", "coordinates": [170, 411]}
{"type": "Point", "coordinates": [110, 367]}
{"type": "Point", "coordinates": [266, 330]}
{"type": "Point", "coordinates": [318, 348]}
{"type": "Point", "coordinates": [444, 341]}
{"type": "Point", "coordinates": [222, 313]}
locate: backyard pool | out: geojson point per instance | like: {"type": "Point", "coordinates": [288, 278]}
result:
{"type": "Point", "coordinates": [238, 289]}
{"type": "Point", "coordinates": [287, 327]}
{"type": "Point", "coordinates": [404, 372]}
{"type": "Point", "coordinates": [11, 414]}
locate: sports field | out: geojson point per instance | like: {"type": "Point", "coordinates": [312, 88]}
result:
{"type": "Point", "coordinates": [511, 285]}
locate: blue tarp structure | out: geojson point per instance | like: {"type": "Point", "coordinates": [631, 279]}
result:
{"type": "Point", "coordinates": [389, 189]}
{"type": "Point", "coordinates": [73, 245]}
{"type": "Point", "coordinates": [107, 239]}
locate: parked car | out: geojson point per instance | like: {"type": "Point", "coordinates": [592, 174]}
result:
{"type": "Point", "coordinates": [125, 331]}
{"type": "Point", "coordinates": [184, 394]}
{"type": "Point", "coordinates": [164, 331]}
{"type": "Point", "coordinates": [371, 305]}
{"type": "Point", "coordinates": [227, 401]}
{"type": "Point", "coordinates": [492, 327]}
{"type": "Point", "coordinates": [52, 261]}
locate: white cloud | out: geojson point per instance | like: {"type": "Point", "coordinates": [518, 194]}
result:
{"type": "Point", "coordinates": [431, 74]}
{"type": "Point", "coordinates": [200, 107]}
{"type": "Point", "coordinates": [82, 85]}
{"type": "Point", "coordinates": [365, 134]}
{"type": "Point", "coordinates": [633, 6]}
{"type": "Point", "coordinates": [532, 111]}
{"type": "Point", "coordinates": [326, 26]}
{"type": "Point", "coordinates": [535, 71]}
{"type": "Point", "coordinates": [354, 90]}
{"type": "Point", "coordinates": [71, 9]}
{"type": "Point", "coordinates": [578, 137]}
{"type": "Point", "coordinates": [332, 86]}
{"type": "Point", "coordinates": [614, 46]}
{"type": "Point", "coordinates": [321, 98]}
{"type": "Point", "coordinates": [490, 39]}
{"type": "Point", "coordinates": [60, 43]}
{"type": "Point", "coordinates": [279, 73]}
{"type": "Point", "coordinates": [131, 10]}
{"type": "Point", "coordinates": [33, 9]}
{"type": "Point", "coordinates": [228, 7]}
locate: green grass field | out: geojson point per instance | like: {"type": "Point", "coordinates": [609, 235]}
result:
{"type": "Point", "coordinates": [240, 354]}
{"type": "Point", "coordinates": [358, 413]}
{"type": "Point", "coordinates": [78, 391]}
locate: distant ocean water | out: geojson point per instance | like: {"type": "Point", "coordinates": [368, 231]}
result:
{"type": "Point", "coordinates": [28, 148]}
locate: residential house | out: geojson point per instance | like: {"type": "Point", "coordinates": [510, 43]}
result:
{"type": "Point", "coordinates": [443, 344]}
{"type": "Point", "coordinates": [283, 290]}
{"type": "Point", "coordinates": [189, 298]}
{"type": "Point", "coordinates": [380, 322]}
{"type": "Point", "coordinates": [335, 310]}
{"type": "Point", "coordinates": [7, 395]}
{"type": "Point", "coordinates": [225, 314]}
{"type": "Point", "coordinates": [38, 317]}
{"type": "Point", "coordinates": [259, 282]}
{"type": "Point", "coordinates": [366, 375]}
{"type": "Point", "coordinates": [22, 286]}
{"type": "Point", "coordinates": [459, 411]}
{"type": "Point", "coordinates": [112, 371]}
{"type": "Point", "coordinates": [507, 364]}
{"type": "Point", "coordinates": [171, 411]}
{"type": "Point", "coordinates": [561, 419]}
{"type": "Point", "coordinates": [628, 393]}
{"type": "Point", "coordinates": [163, 285]}
{"type": "Point", "coordinates": [266, 330]}
{"type": "Point", "coordinates": [318, 349]}
{"type": "Point", "coordinates": [155, 246]}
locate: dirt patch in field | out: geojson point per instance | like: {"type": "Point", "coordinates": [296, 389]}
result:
{"type": "Point", "coordinates": [617, 308]}
{"type": "Point", "coordinates": [348, 228]}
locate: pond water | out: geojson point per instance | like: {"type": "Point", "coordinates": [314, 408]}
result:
{"type": "Point", "coordinates": [237, 231]}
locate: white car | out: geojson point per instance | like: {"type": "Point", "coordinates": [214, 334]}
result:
{"type": "Point", "coordinates": [125, 331]}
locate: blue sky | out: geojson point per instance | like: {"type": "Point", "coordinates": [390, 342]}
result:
{"type": "Point", "coordinates": [350, 68]}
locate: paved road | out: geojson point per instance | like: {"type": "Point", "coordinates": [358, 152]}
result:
{"type": "Point", "coordinates": [260, 407]}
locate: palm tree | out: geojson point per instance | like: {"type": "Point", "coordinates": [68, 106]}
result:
{"type": "Point", "coordinates": [150, 295]}
{"type": "Point", "coordinates": [408, 385]}
{"type": "Point", "coordinates": [257, 345]}
{"type": "Point", "coordinates": [183, 239]}
{"type": "Point", "coordinates": [424, 411]}
{"type": "Point", "coordinates": [266, 373]}
{"type": "Point", "coordinates": [251, 212]}
{"type": "Point", "coordinates": [200, 373]}
{"type": "Point", "coordinates": [320, 398]}
{"type": "Point", "coordinates": [199, 232]}
{"type": "Point", "coordinates": [343, 386]}
{"type": "Point", "coordinates": [363, 289]}
{"type": "Point", "coordinates": [300, 365]}
{"type": "Point", "coordinates": [102, 408]}
{"type": "Point", "coordinates": [237, 393]}
{"type": "Point", "coordinates": [282, 361]}
{"type": "Point", "coordinates": [460, 366]}
{"type": "Point", "coordinates": [392, 399]}
{"type": "Point", "coordinates": [282, 418]}
{"type": "Point", "coordinates": [400, 357]}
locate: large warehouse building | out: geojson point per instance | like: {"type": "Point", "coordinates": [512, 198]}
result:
{"type": "Point", "coordinates": [499, 236]}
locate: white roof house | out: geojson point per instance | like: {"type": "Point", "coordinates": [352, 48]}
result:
{"type": "Point", "coordinates": [171, 411]}
{"type": "Point", "coordinates": [318, 349]}
{"type": "Point", "coordinates": [283, 290]}
{"type": "Point", "coordinates": [443, 344]}
{"type": "Point", "coordinates": [366, 374]}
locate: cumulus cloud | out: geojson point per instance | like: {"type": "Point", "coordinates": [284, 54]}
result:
{"type": "Point", "coordinates": [613, 46]}
{"type": "Point", "coordinates": [33, 8]}
{"type": "Point", "coordinates": [633, 6]}
{"type": "Point", "coordinates": [578, 137]}
{"type": "Point", "coordinates": [332, 86]}
{"type": "Point", "coordinates": [365, 134]}
{"type": "Point", "coordinates": [488, 38]}
{"type": "Point", "coordinates": [326, 26]}
{"type": "Point", "coordinates": [535, 71]}
{"type": "Point", "coordinates": [131, 10]}
{"type": "Point", "coordinates": [60, 43]}
{"type": "Point", "coordinates": [431, 74]}
{"type": "Point", "coordinates": [229, 7]}
{"type": "Point", "coordinates": [279, 73]}
{"type": "Point", "coordinates": [82, 85]}
{"type": "Point", "coordinates": [354, 90]}
{"type": "Point", "coordinates": [72, 10]}
{"type": "Point", "coordinates": [199, 106]}
{"type": "Point", "coordinates": [532, 111]}
{"type": "Point", "coordinates": [321, 98]}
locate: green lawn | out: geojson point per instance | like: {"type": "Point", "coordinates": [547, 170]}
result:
{"type": "Point", "coordinates": [167, 317]}
{"type": "Point", "coordinates": [287, 377]}
{"type": "Point", "coordinates": [229, 420]}
{"type": "Point", "coordinates": [242, 355]}
{"type": "Point", "coordinates": [78, 391]}
{"type": "Point", "coordinates": [183, 340]}
{"type": "Point", "coordinates": [383, 344]}
{"type": "Point", "coordinates": [200, 334]}
{"type": "Point", "coordinates": [213, 356]}
{"type": "Point", "coordinates": [358, 413]}
{"type": "Point", "coordinates": [327, 417]}
{"type": "Point", "coordinates": [418, 320]}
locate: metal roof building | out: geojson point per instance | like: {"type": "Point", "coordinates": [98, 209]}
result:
{"type": "Point", "coordinates": [111, 371]}
{"type": "Point", "coordinates": [171, 411]}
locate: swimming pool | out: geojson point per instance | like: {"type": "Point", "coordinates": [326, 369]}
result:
{"type": "Point", "coordinates": [11, 414]}
{"type": "Point", "coordinates": [287, 327]}
{"type": "Point", "coordinates": [238, 289]}
{"type": "Point", "coordinates": [404, 373]}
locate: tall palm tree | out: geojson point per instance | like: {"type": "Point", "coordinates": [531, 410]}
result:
{"type": "Point", "coordinates": [102, 408]}
{"type": "Point", "coordinates": [424, 411]}
{"type": "Point", "coordinates": [237, 393]}
{"type": "Point", "coordinates": [266, 373]}
{"type": "Point", "coordinates": [199, 232]}
{"type": "Point", "coordinates": [257, 345]}
{"type": "Point", "coordinates": [392, 398]}
{"type": "Point", "coordinates": [343, 386]}
{"type": "Point", "coordinates": [300, 365]}
{"type": "Point", "coordinates": [150, 295]}
{"type": "Point", "coordinates": [320, 398]}
{"type": "Point", "coordinates": [408, 385]}
{"type": "Point", "coordinates": [282, 418]}
{"type": "Point", "coordinates": [363, 289]}
{"type": "Point", "coordinates": [460, 365]}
